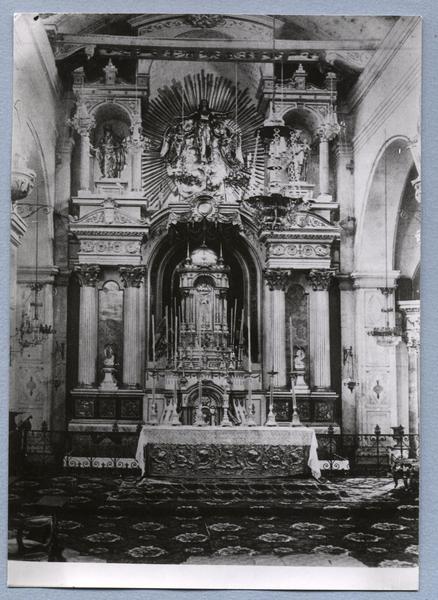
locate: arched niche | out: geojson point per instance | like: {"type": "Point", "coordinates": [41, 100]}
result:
{"type": "Point", "coordinates": [245, 279]}
{"type": "Point", "coordinates": [110, 326]}
{"type": "Point", "coordinates": [388, 179]}
{"type": "Point", "coordinates": [115, 119]}
{"type": "Point", "coordinates": [308, 121]}
{"type": "Point", "coordinates": [297, 309]}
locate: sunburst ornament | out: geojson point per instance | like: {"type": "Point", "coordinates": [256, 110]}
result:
{"type": "Point", "coordinates": [203, 139]}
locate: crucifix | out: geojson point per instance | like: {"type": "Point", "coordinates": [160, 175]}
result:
{"type": "Point", "coordinates": [270, 421]}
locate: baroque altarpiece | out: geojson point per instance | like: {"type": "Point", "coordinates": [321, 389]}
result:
{"type": "Point", "coordinates": [207, 262]}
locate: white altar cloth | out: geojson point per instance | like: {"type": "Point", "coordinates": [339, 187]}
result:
{"type": "Point", "coordinates": [263, 436]}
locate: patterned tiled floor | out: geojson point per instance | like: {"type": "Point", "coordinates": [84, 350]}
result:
{"type": "Point", "coordinates": [360, 521]}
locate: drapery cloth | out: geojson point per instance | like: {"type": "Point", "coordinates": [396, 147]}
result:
{"type": "Point", "coordinates": [258, 436]}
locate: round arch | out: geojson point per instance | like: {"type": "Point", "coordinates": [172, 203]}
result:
{"type": "Point", "coordinates": [388, 180]}
{"type": "Point", "coordinates": [245, 281]}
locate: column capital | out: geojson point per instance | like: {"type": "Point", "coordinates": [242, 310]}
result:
{"type": "Point", "coordinates": [82, 122]}
{"type": "Point", "coordinates": [88, 275]}
{"type": "Point", "coordinates": [411, 313]}
{"type": "Point", "coordinates": [132, 276]}
{"type": "Point", "coordinates": [277, 279]}
{"type": "Point", "coordinates": [327, 131]}
{"type": "Point", "coordinates": [320, 279]}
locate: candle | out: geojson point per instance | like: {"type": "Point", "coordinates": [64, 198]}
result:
{"type": "Point", "coordinates": [176, 339]}
{"type": "Point", "coordinates": [166, 311]}
{"type": "Point", "coordinates": [241, 328]}
{"type": "Point", "coordinates": [291, 345]}
{"type": "Point", "coordinates": [153, 340]}
{"type": "Point", "coordinates": [249, 343]}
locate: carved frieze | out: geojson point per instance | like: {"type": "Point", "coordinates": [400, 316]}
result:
{"type": "Point", "coordinates": [277, 279]}
{"type": "Point", "coordinates": [109, 247]}
{"type": "Point", "coordinates": [88, 275]}
{"type": "Point", "coordinates": [299, 250]}
{"type": "Point", "coordinates": [320, 279]}
{"type": "Point", "coordinates": [132, 276]}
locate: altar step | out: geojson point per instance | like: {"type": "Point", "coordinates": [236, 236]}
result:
{"type": "Point", "coordinates": [192, 499]}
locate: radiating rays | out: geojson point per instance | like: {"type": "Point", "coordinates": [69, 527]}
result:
{"type": "Point", "coordinates": [181, 99]}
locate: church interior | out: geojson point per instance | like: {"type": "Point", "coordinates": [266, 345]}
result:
{"type": "Point", "coordinates": [215, 246]}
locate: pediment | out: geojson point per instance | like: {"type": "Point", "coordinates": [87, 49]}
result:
{"type": "Point", "coordinates": [109, 216]}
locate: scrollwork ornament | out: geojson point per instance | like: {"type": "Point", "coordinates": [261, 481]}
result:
{"type": "Point", "coordinates": [277, 279]}
{"type": "Point", "coordinates": [204, 21]}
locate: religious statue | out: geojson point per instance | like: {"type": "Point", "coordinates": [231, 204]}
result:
{"type": "Point", "coordinates": [109, 381]}
{"type": "Point", "coordinates": [109, 356]}
{"type": "Point", "coordinates": [111, 154]}
{"type": "Point", "coordinates": [299, 360]}
{"type": "Point", "coordinates": [299, 149]}
{"type": "Point", "coordinates": [203, 151]}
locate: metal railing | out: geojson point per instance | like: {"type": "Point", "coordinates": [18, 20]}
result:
{"type": "Point", "coordinates": [372, 454]}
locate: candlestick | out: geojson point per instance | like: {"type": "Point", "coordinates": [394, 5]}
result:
{"type": "Point", "coordinates": [153, 340]}
{"type": "Point", "coordinates": [291, 345]}
{"type": "Point", "coordinates": [166, 313]}
{"type": "Point", "coordinates": [270, 421]}
{"type": "Point", "coordinates": [249, 343]}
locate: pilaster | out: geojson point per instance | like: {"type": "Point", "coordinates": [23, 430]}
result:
{"type": "Point", "coordinates": [320, 328]}
{"type": "Point", "coordinates": [133, 325]}
{"type": "Point", "coordinates": [88, 276]}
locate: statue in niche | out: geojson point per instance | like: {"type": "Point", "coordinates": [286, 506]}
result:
{"type": "Point", "coordinates": [109, 357]}
{"type": "Point", "coordinates": [109, 381]}
{"type": "Point", "coordinates": [111, 154]}
{"type": "Point", "coordinates": [299, 358]}
{"type": "Point", "coordinates": [203, 151]}
{"type": "Point", "coordinates": [299, 149]}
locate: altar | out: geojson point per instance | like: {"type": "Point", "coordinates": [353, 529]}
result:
{"type": "Point", "coordinates": [227, 452]}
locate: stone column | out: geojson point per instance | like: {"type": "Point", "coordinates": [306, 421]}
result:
{"type": "Point", "coordinates": [320, 328]}
{"type": "Point", "coordinates": [83, 123]}
{"type": "Point", "coordinates": [133, 324]}
{"type": "Point", "coordinates": [324, 187]}
{"type": "Point", "coordinates": [275, 325]}
{"type": "Point", "coordinates": [88, 324]}
{"type": "Point", "coordinates": [326, 132]}
{"type": "Point", "coordinates": [411, 312]}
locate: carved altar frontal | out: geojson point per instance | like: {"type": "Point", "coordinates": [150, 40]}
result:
{"type": "Point", "coordinates": [229, 453]}
{"type": "Point", "coordinates": [207, 461]}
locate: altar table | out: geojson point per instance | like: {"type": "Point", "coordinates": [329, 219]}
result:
{"type": "Point", "coordinates": [227, 452]}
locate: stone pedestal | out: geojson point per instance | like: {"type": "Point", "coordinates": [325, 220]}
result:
{"type": "Point", "coordinates": [132, 277]}
{"type": "Point", "coordinates": [109, 382]}
{"type": "Point", "coordinates": [275, 324]}
{"type": "Point", "coordinates": [320, 329]}
{"type": "Point", "coordinates": [88, 324]}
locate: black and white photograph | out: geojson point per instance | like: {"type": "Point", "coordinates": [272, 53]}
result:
{"type": "Point", "coordinates": [214, 300]}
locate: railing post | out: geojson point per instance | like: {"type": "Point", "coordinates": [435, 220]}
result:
{"type": "Point", "coordinates": [331, 432]}
{"type": "Point", "coordinates": [377, 433]}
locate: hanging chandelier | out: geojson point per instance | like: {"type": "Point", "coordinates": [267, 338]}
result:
{"type": "Point", "coordinates": [387, 335]}
{"type": "Point", "coordinates": [32, 331]}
